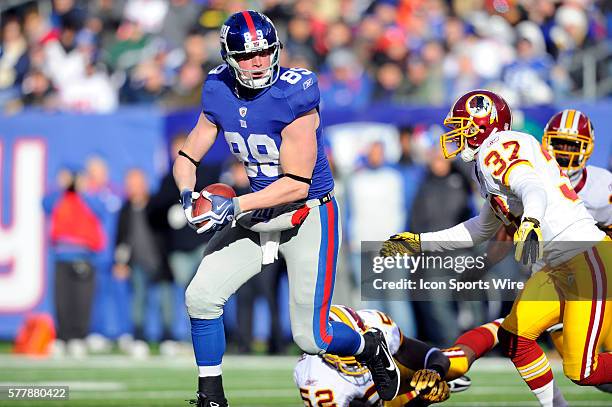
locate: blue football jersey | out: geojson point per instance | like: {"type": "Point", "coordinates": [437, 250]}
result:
{"type": "Point", "coordinates": [252, 128]}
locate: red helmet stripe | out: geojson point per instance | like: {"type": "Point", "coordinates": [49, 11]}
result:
{"type": "Point", "coordinates": [250, 24]}
{"type": "Point", "coordinates": [355, 316]}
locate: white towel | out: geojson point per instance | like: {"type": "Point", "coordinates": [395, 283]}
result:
{"type": "Point", "coordinates": [269, 242]}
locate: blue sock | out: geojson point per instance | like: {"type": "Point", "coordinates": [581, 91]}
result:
{"type": "Point", "coordinates": [345, 341]}
{"type": "Point", "coordinates": [208, 339]}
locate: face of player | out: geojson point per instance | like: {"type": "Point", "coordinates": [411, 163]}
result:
{"type": "Point", "coordinates": [570, 147]}
{"type": "Point", "coordinates": [258, 64]}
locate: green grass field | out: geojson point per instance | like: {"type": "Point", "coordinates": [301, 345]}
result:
{"type": "Point", "coordinates": [250, 381]}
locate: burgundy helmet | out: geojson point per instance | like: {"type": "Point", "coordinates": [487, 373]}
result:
{"type": "Point", "coordinates": [347, 365]}
{"type": "Point", "coordinates": [569, 137]}
{"type": "Point", "coordinates": [472, 119]}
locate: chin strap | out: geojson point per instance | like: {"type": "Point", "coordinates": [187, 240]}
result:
{"type": "Point", "coordinates": [468, 154]}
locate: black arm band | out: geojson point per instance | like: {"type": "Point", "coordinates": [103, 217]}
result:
{"type": "Point", "coordinates": [298, 178]}
{"type": "Point", "coordinates": [194, 162]}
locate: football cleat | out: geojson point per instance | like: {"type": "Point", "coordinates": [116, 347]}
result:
{"type": "Point", "coordinates": [378, 359]}
{"type": "Point", "coordinates": [462, 383]}
{"type": "Point", "coordinates": [203, 401]}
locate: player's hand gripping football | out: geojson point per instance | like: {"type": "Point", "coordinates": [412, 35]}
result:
{"type": "Point", "coordinates": [403, 243]}
{"type": "Point", "coordinates": [430, 386]}
{"type": "Point", "coordinates": [528, 241]}
{"type": "Point", "coordinates": [187, 198]}
{"type": "Point", "coordinates": [221, 212]}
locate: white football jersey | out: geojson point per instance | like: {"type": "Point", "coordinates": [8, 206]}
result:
{"type": "Point", "coordinates": [594, 187]}
{"type": "Point", "coordinates": [322, 385]}
{"type": "Point", "coordinates": [565, 216]}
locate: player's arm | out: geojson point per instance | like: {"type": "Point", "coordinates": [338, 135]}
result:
{"type": "Point", "coordinates": [417, 355]}
{"type": "Point", "coordinates": [525, 183]}
{"type": "Point", "coordinates": [199, 141]}
{"type": "Point", "coordinates": [298, 154]}
{"type": "Point", "coordinates": [464, 235]}
{"type": "Point", "coordinates": [472, 232]}
{"type": "Point", "coordinates": [430, 367]}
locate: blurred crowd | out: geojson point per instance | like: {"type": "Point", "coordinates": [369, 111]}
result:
{"type": "Point", "coordinates": [91, 56]}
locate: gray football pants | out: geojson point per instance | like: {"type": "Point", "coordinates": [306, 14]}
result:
{"type": "Point", "coordinates": [310, 250]}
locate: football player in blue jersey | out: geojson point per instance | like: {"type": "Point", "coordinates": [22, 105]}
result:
{"type": "Point", "coordinates": [269, 117]}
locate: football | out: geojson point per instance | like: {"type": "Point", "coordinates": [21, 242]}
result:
{"type": "Point", "coordinates": [203, 205]}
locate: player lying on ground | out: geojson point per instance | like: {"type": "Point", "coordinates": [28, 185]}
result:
{"type": "Point", "coordinates": [343, 381]}
{"type": "Point", "coordinates": [269, 117]}
{"type": "Point", "coordinates": [524, 187]}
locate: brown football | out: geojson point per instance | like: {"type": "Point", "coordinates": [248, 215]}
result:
{"type": "Point", "coordinates": [203, 205]}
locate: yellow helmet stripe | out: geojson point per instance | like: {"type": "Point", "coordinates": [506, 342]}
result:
{"type": "Point", "coordinates": [343, 317]}
{"type": "Point", "coordinates": [569, 120]}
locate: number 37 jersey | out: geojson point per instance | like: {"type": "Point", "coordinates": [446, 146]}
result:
{"type": "Point", "coordinates": [565, 219]}
{"type": "Point", "coordinates": [252, 127]}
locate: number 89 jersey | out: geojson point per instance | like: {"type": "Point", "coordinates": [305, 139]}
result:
{"type": "Point", "coordinates": [252, 127]}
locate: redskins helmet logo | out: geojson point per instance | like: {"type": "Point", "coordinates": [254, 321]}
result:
{"type": "Point", "coordinates": [479, 106]}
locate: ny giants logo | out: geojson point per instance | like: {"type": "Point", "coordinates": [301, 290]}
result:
{"type": "Point", "coordinates": [22, 234]}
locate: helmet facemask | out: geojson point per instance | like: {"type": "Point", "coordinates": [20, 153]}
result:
{"type": "Point", "coordinates": [349, 368]}
{"type": "Point", "coordinates": [246, 77]}
{"type": "Point", "coordinates": [455, 141]}
{"type": "Point", "coordinates": [570, 150]}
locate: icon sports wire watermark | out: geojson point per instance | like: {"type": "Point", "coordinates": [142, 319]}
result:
{"type": "Point", "coordinates": [487, 273]}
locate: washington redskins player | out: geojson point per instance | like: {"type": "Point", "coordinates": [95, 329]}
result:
{"type": "Point", "coordinates": [569, 136]}
{"type": "Point", "coordinates": [426, 373]}
{"type": "Point", "coordinates": [524, 187]}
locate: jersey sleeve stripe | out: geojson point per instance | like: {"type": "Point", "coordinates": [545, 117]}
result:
{"type": "Point", "coordinates": [582, 181]}
{"type": "Point", "coordinates": [369, 392]}
{"type": "Point", "coordinates": [513, 164]}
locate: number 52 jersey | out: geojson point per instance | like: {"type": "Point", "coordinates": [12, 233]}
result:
{"type": "Point", "coordinates": [252, 127]}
